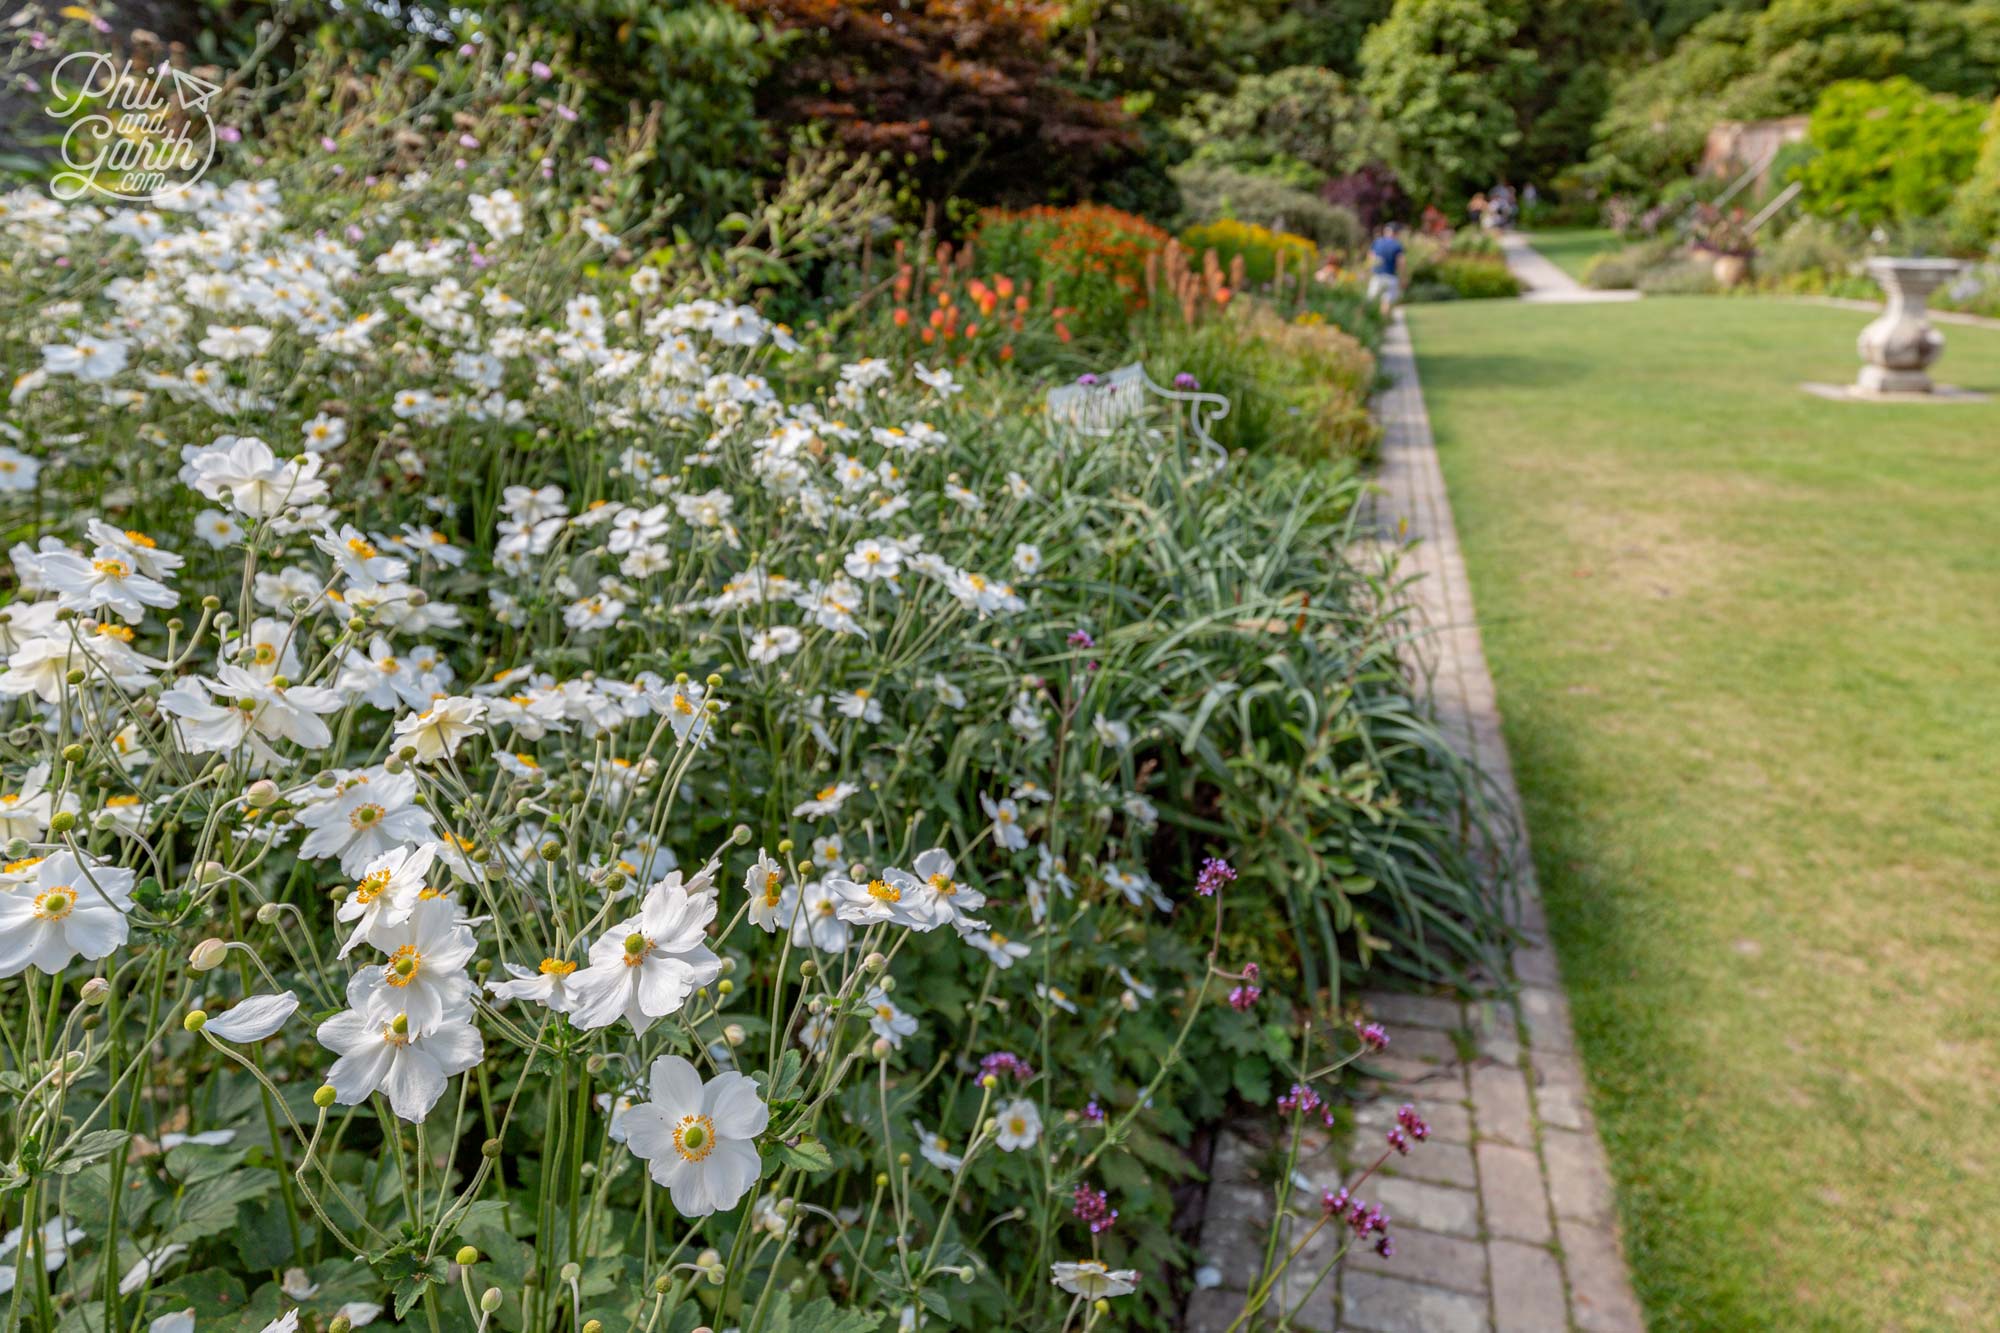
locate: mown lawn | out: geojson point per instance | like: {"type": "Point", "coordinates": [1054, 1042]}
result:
{"type": "Point", "coordinates": [1572, 248]}
{"type": "Point", "coordinates": [1747, 643]}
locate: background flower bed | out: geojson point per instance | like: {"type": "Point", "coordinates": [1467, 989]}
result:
{"type": "Point", "coordinates": [1098, 666]}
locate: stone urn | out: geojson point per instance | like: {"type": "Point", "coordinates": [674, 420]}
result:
{"type": "Point", "coordinates": [1900, 344]}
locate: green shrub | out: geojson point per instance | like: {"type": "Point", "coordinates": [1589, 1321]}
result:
{"type": "Point", "coordinates": [1888, 151]}
{"type": "Point", "coordinates": [1477, 278]}
{"type": "Point", "coordinates": [1215, 194]}
{"type": "Point", "coordinates": [1622, 269]}
{"type": "Point", "coordinates": [1686, 277]}
{"type": "Point", "coordinates": [1809, 246]}
{"type": "Point", "coordinates": [1974, 215]}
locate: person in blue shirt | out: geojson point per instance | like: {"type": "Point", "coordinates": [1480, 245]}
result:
{"type": "Point", "coordinates": [1385, 278]}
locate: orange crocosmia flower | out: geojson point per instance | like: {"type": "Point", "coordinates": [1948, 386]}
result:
{"type": "Point", "coordinates": [902, 317]}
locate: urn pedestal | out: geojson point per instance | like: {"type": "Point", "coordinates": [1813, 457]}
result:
{"type": "Point", "coordinates": [1900, 345]}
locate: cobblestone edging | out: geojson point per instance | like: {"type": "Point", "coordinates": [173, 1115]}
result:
{"type": "Point", "coordinates": [1504, 1221]}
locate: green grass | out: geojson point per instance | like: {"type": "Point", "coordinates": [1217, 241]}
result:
{"type": "Point", "coordinates": [1571, 249]}
{"type": "Point", "coordinates": [1747, 645]}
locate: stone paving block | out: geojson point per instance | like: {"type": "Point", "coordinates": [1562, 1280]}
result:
{"type": "Point", "coordinates": [1500, 1105]}
{"type": "Point", "coordinates": [1546, 1014]}
{"type": "Point", "coordinates": [1397, 1008]}
{"type": "Point", "coordinates": [1235, 1210]}
{"type": "Point", "coordinates": [1213, 1311]}
{"type": "Point", "coordinates": [1496, 1035]}
{"type": "Point", "coordinates": [1510, 1184]}
{"type": "Point", "coordinates": [1528, 1291]}
{"type": "Point", "coordinates": [1443, 1109]}
{"type": "Point", "coordinates": [1426, 1257]}
{"type": "Point", "coordinates": [1560, 1098]}
{"type": "Point", "coordinates": [1454, 1212]}
{"type": "Point", "coordinates": [1372, 1304]}
{"type": "Point", "coordinates": [1235, 1159]}
{"type": "Point", "coordinates": [1600, 1295]}
{"type": "Point", "coordinates": [1579, 1177]}
{"type": "Point", "coordinates": [1415, 1077]}
{"type": "Point", "coordinates": [1535, 966]}
{"type": "Point", "coordinates": [1445, 1163]}
{"type": "Point", "coordinates": [1426, 1044]}
{"type": "Point", "coordinates": [1307, 1298]}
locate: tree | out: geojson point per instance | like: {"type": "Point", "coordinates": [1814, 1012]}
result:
{"type": "Point", "coordinates": [1478, 89]}
{"type": "Point", "coordinates": [1300, 125]}
{"type": "Point", "coordinates": [962, 95]}
{"type": "Point", "coordinates": [1446, 74]}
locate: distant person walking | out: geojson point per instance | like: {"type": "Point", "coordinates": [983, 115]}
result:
{"type": "Point", "coordinates": [1385, 280]}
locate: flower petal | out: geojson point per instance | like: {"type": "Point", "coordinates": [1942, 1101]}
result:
{"type": "Point", "coordinates": [255, 1018]}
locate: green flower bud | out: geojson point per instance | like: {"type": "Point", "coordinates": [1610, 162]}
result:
{"type": "Point", "coordinates": [489, 1300]}
{"type": "Point", "coordinates": [195, 1021]}
{"type": "Point", "coordinates": [467, 1256]}
{"type": "Point", "coordinates": [323, 1095]}
{"type": "Point", "coordinates": [740, 835]}
{"type": "Point", "coordinates": [62, 822]}
{"type": "Point", "coordinates": [74, 753]}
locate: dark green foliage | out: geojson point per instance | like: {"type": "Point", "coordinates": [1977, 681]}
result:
{"type": "Point", "coordinates": [1480, 91]}
{"type": "Point", "coordinates": [1300, 125]}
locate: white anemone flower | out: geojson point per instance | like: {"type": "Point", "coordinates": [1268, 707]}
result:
{"type": "Point", "coordinates": [108, 580]}
{"type": "Point", "coordinates": [1006, 817]}
{"type": "Point", "coordinates": [698, 1138]}
{"type": "Point", "coordinates": [72, 908]}
{"type": "Point", "coordinates": [1093, 1279]}
{"type": "Point", "coordinates": [424, 977]}
{"type": "Point", "coordinates": [440, 729]}
{"type": "Point", "coordinates": [388, 1055]}
{"type": "Point", "coordinates": [52, 1242]}
{"type": "Point", "coordinates": [373, 813]}
{"type": "Point", "coordinates": [645, 967]}
{"type": "Point", "coordinates": [1020, 1125]}
{"type": "Point", "coordinates": [387, 892]}
{"type": "Point", "coordinates": [934, 893]}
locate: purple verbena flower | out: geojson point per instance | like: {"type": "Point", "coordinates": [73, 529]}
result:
{"type": "Point", "coordinates": [1372, 1035]}
{"type": "Point", "coordinates": [1093, 1208]}
{"type": "Point", "coordinates": [1215, 872]}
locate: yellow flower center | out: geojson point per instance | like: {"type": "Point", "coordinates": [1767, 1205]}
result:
{"type": "Point", "coordinates": [826, 793]}
{"type": "Point", "coordinates": [364, 549]}
{"type": "Point", "coordinates": [637, 946]}
{"type": "Point", "coordinates": [366, 816]}
{"type": "Point", "coordinates": [112, 569]}
{"type": "Point", "coordinates": [370, 886]}
{"type": "Point", "coordinates": [388, 666]}
{"type": "Point", "coordinates": [557, 967]}
{"type": "Point", "coordinates": [941, 884]}
{"type": "Point", "coordinates": [883, 891]}
{"type": "Point", "coordinates": [26, 862]}
{"type": "Point", "coordinates": [682, 706]}
{"type": "Point", "coordinates": [403, 966]}
{"type": "Point", "coordinates": [140, 539]}
{"type": "Point", "coordinates": [774, 884]}
{"type": "Point", "coordinates": [54, 904]}
{"type": "Point", "coordinates": [121, 802]}
{"type": "Point", "coordinates": [694, 1137]}
{"type": "Point", "coordinates": [122, 633]}
{"type": "Point", "coordinates": [263, 654]}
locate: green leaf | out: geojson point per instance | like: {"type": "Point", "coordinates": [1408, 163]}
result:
{"type": "Point", "coordinates": [808, 1155]}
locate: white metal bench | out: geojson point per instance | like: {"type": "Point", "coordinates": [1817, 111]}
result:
{"type": "Point", "coordinates": [1100, 408]}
